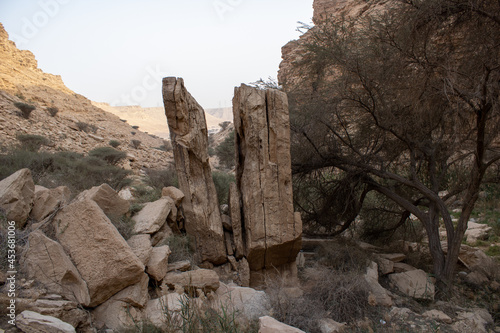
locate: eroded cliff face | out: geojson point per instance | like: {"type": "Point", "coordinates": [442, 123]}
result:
{"type": "Point", "coordinates": [295, 52]}
{"type": "Point", "coordinates": [22, 81]}
{"type": "Point", "coordinates": [19, 69]}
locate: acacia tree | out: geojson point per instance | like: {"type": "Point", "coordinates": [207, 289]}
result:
{"type": "Point", "coordinates": [403, 102]}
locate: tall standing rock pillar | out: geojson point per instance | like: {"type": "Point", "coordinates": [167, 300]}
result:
{"type": "Point", "coordinates": [189, 136]}
{"type": "Point", "coordinates": [263, 174]}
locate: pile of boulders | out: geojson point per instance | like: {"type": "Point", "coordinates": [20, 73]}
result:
{"type": "Point", "coordinates": [79, 272]}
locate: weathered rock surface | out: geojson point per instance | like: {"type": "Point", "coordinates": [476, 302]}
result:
{"type": "Point", "coordinates": [106, 198]}
{"type": "Point", "coordinates": [155, 308]}
{"type": "Point", "coordinates": [235, 216]}
{"type": "Point", "coordinates": [328, 325]}
{"type": "Point", "coordinates": [141, 246]}
{"type": "Point", "coordinates": [153, 216]}
{"type": "Point", "coordinates": [438, 315]}
{"type": "Point", "coordinates": [157, 264]}
{"type": "Point", "coordinates": [101, 255]}
{"type": "Point", "coordinates": [46, 261]}
{"type": "Point", "coordinates": [476, 231]}
{"type": "Point", "coordinates": [377, 295]}
{"type": "Point", "coordinates": [174, 193]}
{"type": "Point", "coordinates": [263, 175]}
{"type": "Point", "coordinates": [32, 322]}
{"type": "Point", "coordinates": [250, 303]}
{"type": "Point", "coordinates": [17, 193]}
{"type": "Point", "coordinates": [135, 295]}
{"type": "Point", "coordinates": [204, 279]}
{"type": "Point", "coordinates": [46, 201]}
{"type": "Point", "coordinates": [270, 325]}
{"type": "Point", "coordinates": [414, 283]}
{"type": "Point", "coordinates": [117, 315]}
{"type": "Point", "coordinates": [189, 137]}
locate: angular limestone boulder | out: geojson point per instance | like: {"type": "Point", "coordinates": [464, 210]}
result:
{"type": "Point", "coordinates": [174, 193]}
{"type": "Point", "coordinates": [414, 283]}
{"type": "Point", "coordinates": [204, 279]}
{"type": "Point", "coordinates": [106, 198]}
{"type": "Point", "coordinates": [477, 231]}
{"type": "Point", "coordinates": [270, 325]}
{"type": "Point", "coordinates": [264, 178]}
{"type": "Point", "coordinates": [101, 255]}
{"type": "Point", "coordinates": [141, 246]}
{"type": "Point", "coordinates": [249, 303]}
{"type": "Point", "coordinates": [17, 193]}
{"type": "Point", "coordinates": [117, 315]}
{"type": "Point", "coordinates": [377, 295]}
{"type": "Point", "coordinates": [189, 137]}
{"type": "Point", "coordinates": [136, 295]}
{"type": "Point", "coordinates": [46, 201]}
{"type": "Point", "coordinates": [29, 321]}
{"type": "Point", "coordinates": [152, 216]}
{"type": "Point", "coordinates": [46, 262]}
{"type": "Point", "coordinates": [157, 263]}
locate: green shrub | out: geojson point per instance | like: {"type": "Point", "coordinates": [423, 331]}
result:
{"type": "Point", "coordinates": [145, 193]}
{"type": "Point", "coordinates": [182, 248]}
{"type": "Point", "coordinates": [222, 181]}
{"type": "Point", "coordinates": [224, 125]}
{"type": "Point", "coordinates": [64, 168]}
{"type": "Point", "coordinates": [135, 143]}
{"type": "Point", "coordinates": [53, 111]}
{"type": "Point", "coordinates": [86, 127]}
{"type": "Point", "coordinates": [162, 178]}
{"type": "Point", "coordinates": [32, 142]}
{"type": "Point", "coordinates": [25, 109]}
{"type": "Point", "coordinates": [225, 151]}
{"type": "Point", "coordinates": [114, 143]}
{"type": "Point", "coordinates": [108, 154]}
{"type": "Point", "coordinates": [124, 224]}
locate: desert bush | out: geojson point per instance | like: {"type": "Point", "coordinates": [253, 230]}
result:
{"type": "Point", "coordinates": [64, 168]}
{"type": "Point", "coordinates": [114, 143]}
{"type": "Point", "coordinates": [224, 125]}
{"type": "Point", "coordinates": [144, 193]}
{"type": "Point", "coordinates": [135, 127]}
{"type": "Point", "coordinates": [182, 248]}
{"type": "Point", "coordinates": [25, 109]}
{"type": "Point", "coordinates": [343, 256]}
{"type": "Point", "coordinates": [86, 127]}
{"type": "Point", "coordinates": [32, 142]}
{"type": "Point", "coordinates": [52, 111]}
{"type": "Point", "coordinates": [124, 224]}
{"type": "Point", "coordinates": [160, 178]}
{"type": "Point", "coordinates": [342, 296]}
{"type": "Point", "coordinates": [133, 133]}
{"type": "Point", "coordinates": [108, 154]}
{"type": "Point", "coordinates": [135, 143]}
{"type": "Point", "coordinates": [222, 181]}
{"type": "Point", "coordinates": [166, 146]}
{"type": "Point", "coordinates": [225, 151]}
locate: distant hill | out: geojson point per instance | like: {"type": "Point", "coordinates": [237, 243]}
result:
{"type": "Point", "coordinates": [226, 114]}
{"type": "Point", "coordinates": [22, 81]}
{"type": "Point", "coordinates": [153, 120]}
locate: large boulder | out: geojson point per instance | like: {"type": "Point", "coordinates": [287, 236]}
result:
{"type": "Point", "coordinates": [414, 283]}
{"type": "Point", "coordinates": [263, 174]}
{"type": "Point", "coordinates": [249, 303]}
{"type": "Point", "coordinates": [141, 246]}
{"type": "Point", "coordinates": [157, 264]}
{"type": "Point", "coordinates": [476, 231]}
{"type": "Point", "coordinates": [47, 200]}
{"type": "Point", "coordinates": [106, 198]}
{"type": "Point", "coordinates": [174, 193]}
{"type": "Point", "coordinates": [377, 295]}
{"type": "Point", "coordinates": [17, 193]}
{"type": "Point", "coordinates": [189, 137]}
{"type": "Point", "coordinates": [204, 279]}
{"type": "Point", "coordinates": [270, 325]}
{"type": "Point", "coordinates": [46, 262]}
{"type": "Point", "coordinates": [101, 255]}
{"type": "Point", "coordinates": [153, 216]}
{"type": "Point", "coordinates": [32, 322]}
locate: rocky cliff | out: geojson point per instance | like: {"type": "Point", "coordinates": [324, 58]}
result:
{"type": "Point", "coordinates": [22, 81]}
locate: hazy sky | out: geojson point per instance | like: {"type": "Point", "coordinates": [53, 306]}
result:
{"type": "Point", "coordinates": [117, 51]}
